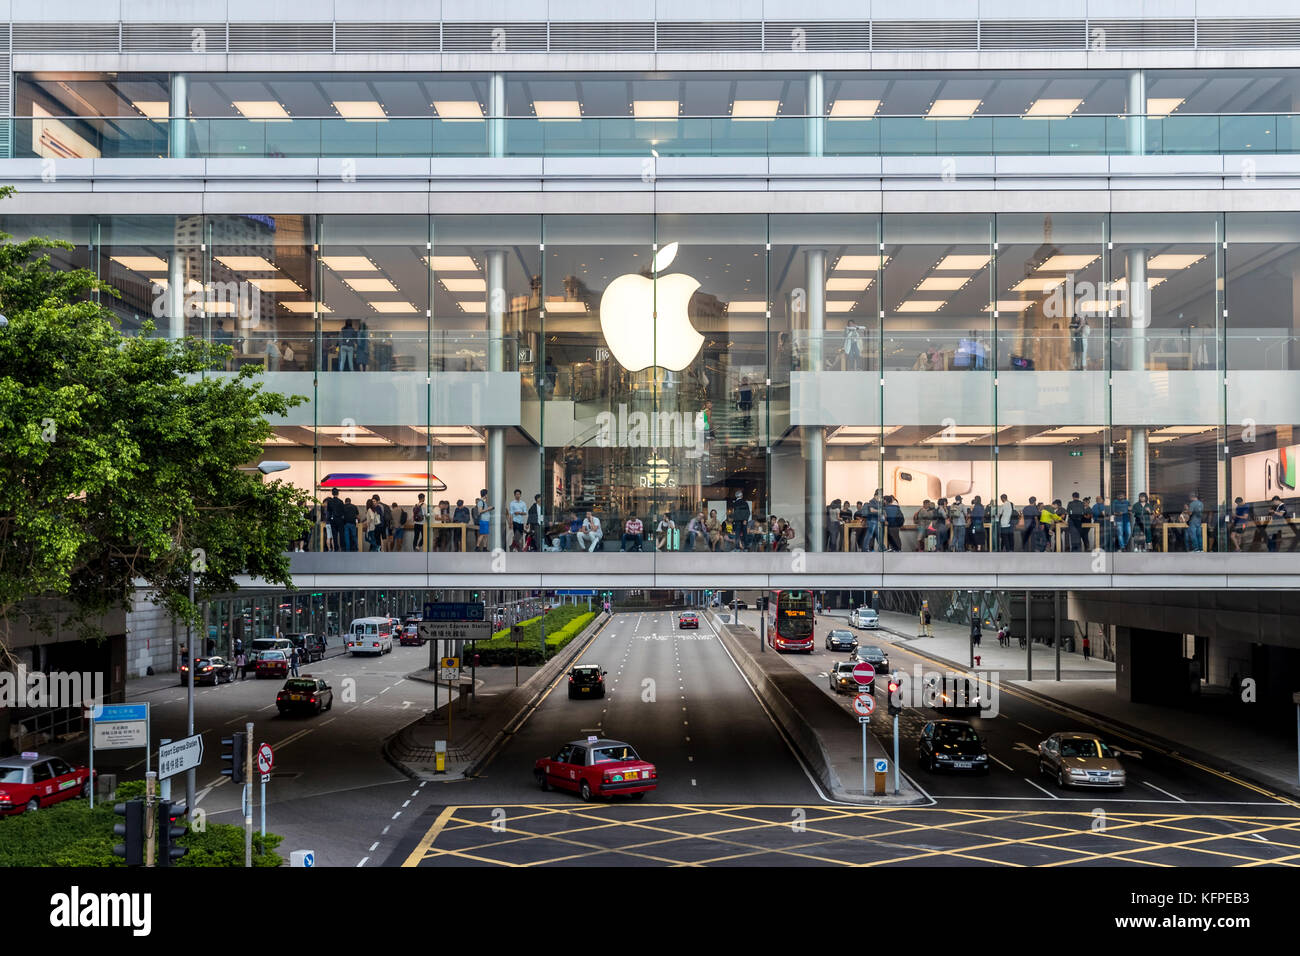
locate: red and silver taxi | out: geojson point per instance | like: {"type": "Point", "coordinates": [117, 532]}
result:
{"type": "Point", "coordinates": [31, 781]}
{"type": "Point", "coordinates": [273, 664]}
{"type": "Point", "coordinates": [688, 619]}
{"type": "Point", "coordinates": [597, 767]}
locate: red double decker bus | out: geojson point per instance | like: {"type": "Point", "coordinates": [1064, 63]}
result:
{"type": "Point", "coordinates": [790, 620]}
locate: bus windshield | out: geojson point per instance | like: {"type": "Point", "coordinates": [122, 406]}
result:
{"type": "Point", "coordinates": [794, 614]}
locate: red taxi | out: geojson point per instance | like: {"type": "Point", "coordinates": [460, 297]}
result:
{"type": "Point", "coordinates": [688, 619]}
{"type": "Point", "coordinates": [30, 781]}
{"type": "Point", "coordinates": [273, 664]}
{"type": "Point", "coordinates": [597, 767]}
{"type": "Point", "coordinates": [410, 636]}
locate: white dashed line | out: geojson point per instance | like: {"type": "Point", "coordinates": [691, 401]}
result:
{"type": "Point", "coordinates": [397, 814]}
{"type": "Point", "coordinates": [1044, 789]}
{"type": "Point", "coordinates": [692, 781]}
{"type": "Point", "coordinates": [1027, 727]}
{"type": "Point", "coordinates": [373, 845]}
{"type": "Point", "coordinates": [406, 804]}
{"type": "Point", "coordinates": [1165, 792]}
{"type": "Point", "coordinates": [363, 861]}
{"type": "Point", "coordinates": [385, 831]}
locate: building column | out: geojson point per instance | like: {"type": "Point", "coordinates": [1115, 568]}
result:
{"type": "Point", "coordinates": [178, 133]}
{"type": "Point", "coordinates": [814, 437]}
{"type": "Point", "coordinates": [1139, 308]}
{"type": "Point", "coordinates": [496, 115]}
{"type": "Point", "coordinates": [1137, 108]}
{"type": "Point", "coordinates": [496, 435]}
{"type": "Point", "coordinates": [816, 106]}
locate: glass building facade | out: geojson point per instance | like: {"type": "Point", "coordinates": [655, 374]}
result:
{"type": "Point", "coordinates": [661, 365]}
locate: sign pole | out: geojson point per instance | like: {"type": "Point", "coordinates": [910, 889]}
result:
{"type": "Point", "coordinates": [762, 639]}
{"type": "Point", "coordinates": [864, 757]}
{"type": "Point", "coordinates": [150, 817]}
{"type": "Point", "coordinates": [264, 776]}
{"type": "Point", "coordinates": [895, 755]}
{"type": "Point", "coordinates": [248, 794]}
{"type": "Point", "coordinates": [92, 756]}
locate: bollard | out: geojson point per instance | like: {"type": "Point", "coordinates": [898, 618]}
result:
{"type": "Point", "coordinates": [440, 756]}
{"type": "Point", "coordinates": [306, 858]}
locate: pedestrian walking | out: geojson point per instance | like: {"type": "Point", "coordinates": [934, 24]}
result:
{"type": "Point", "coordinates": [1087, 648]}
{"type": "Point", "coordinates": [293, 663]}
{"type": "Point", "coordinates": [975, 631]}
{"type": "Point", "coordinates": [927, 622]}
{"type": "Point", "coordinates": [241, 662]}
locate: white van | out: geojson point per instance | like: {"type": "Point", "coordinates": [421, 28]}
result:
{"type": "Point", "coordinates": [370, 635]}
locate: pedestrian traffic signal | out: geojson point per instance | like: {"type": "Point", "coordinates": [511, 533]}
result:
{"type": "Point", "coordinates": [894, 703]}
{"type": "Point", "coordinates": [236, 755]}
{"type": "Point", "coordinates": [170, 828]}
{"type": "Point", "coordinates": [133, 829]}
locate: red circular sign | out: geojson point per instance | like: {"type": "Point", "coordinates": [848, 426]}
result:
{"type": "Point", "coordinates": [864, 705]}
{"type": "Point", "coordinates": [265, 758]}
{"type": "Point", "coordinates": [864, 673]}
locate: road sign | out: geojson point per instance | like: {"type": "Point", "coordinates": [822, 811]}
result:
{"type": "Point", "coordinates": [456, 630]}
{"type": "Point", "coordinates": [864, 705]}
{"type": "Point", "coordinates": [265, 760]}
{"type": "Point", "coordinates": [454, 611]}
{"type": "Point", "coordinates": [882, 765]}
{"type": "Point", "coordinates": [180, 755]}
{"type": "Point", "coordinates": [451, 663]}
{"type": "Point", "coordinates": [516, 633]}
{"type": "Point", "coordinates": [864, 720]}
{"type": "Point", "coordinates": [121, 726]}
{"type": "Point", "coordinates": [864, 673]}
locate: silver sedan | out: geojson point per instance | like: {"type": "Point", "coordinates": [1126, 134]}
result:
{"type": "Point", "coordinates": [1080, 759]}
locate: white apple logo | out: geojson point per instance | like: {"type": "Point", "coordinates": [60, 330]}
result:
{"type": "Point", "coordinates": [638, 338]}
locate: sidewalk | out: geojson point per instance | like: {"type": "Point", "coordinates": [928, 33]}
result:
{"type": "Point", "coordinates": [1088, 688]}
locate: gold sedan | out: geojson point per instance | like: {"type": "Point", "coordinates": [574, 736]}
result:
{"type": "Point", "coordinates": [1080, 759]}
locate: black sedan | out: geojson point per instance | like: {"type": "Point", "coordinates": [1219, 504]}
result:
{"type": "Point", "coordinates": [586, 680]}
{"type": "Point", "coordinates": [838, 640]}
{"type": "Point", "coordinates": [304, 693]}
{"type": "Point", "coordinates": [209, 670]}
{"type": "Point", "coordinates": [952, 745]}
{"type": "Point", "coordinates": [876, 657]}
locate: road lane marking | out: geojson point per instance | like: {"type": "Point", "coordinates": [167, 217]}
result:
{"type": "Point", "coordinates": [236, 720]}
{"type": "Point", "coordinates": [373, 845]}
{"type": "Point", "coordinates": [1027, 727]}
{"type": "Point", "coordinates": [397, 814]}
{"type": "Point", "coordinates": [292, 737]}
{"type": "Point", "coordinates": [363, 861]}
{"type": "Point", "coordinates": [692, 781]}
{"type": "Point", "coordinates": [1008, 766]}
{"type": "Point", "coordinates": [1037, 787]}
{"type": "Point", "coordinates": [1165, 792]}
{"type": "Point", "coordinates": [406, 804]}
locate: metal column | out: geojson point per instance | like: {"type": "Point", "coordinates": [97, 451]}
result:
{"type": "Point", "coordinates": [496, 435]}
{"type": "Point", "coordinates": [178, 133]}
{"type": "Point", "coordinates": [1137, 108]}
{"type": "Point", "coordinates": [497, 115]}
{"type": "Point", "coordinates": [816, 106]}
{"type": "Point", "coordinates": [814, 438]}
{"type": "Point", "coordinates": [1139, 303]}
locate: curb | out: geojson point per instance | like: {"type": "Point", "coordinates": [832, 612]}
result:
{"type": "Point", "coordinates": [803, 737]}
{"type": "Point", "coordinates": [482, 750]}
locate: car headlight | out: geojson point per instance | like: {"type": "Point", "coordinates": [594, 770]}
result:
{"type": "Point", "coordinates": [982, 757]}
{"type": "Point", "coordinates": [943, 757]}
{"type": "Point", "coordinates": [1078, 773]}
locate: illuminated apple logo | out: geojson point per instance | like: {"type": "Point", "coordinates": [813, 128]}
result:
{"type": "Point", "coordinates": [638, 338]}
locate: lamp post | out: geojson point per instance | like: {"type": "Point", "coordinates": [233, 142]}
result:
{"type": "Point", "coordinates": [266, 468]}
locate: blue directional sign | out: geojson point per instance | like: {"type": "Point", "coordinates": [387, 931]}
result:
{"type": "Point", "coordinates": [112, 712]}
{"type": "Point", "coordinates": [453, 611]}
{"type": "Point", "coordinates": [882, 766]}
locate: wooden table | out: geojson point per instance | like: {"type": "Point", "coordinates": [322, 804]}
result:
{"type": "Point", "coordinates": [464, 530]}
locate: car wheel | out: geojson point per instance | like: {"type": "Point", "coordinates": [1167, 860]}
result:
{"type": "Point", "coordinates": [542, 782]}
{"type": "Point", "coordinates": [330, 705]}
{"type": "Point", "coordinates": [33, 805]}
{"type": "Point", "coordinates": [86, 789]}
{"type": "Point", "coordinates": [934, 765]}
{"type": "Point", "coordinates": [585, 791]}
{"type": "Point", "coordinates": [319, 708]}
{"type": "Point", "coordinates": [1060, 778]}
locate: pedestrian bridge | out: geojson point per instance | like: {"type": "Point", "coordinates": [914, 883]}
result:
{"type": "Point", "coordinates": [673, 570]}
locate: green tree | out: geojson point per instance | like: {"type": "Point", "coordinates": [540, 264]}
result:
{"type": "Point", "coordinates": [120, 457]}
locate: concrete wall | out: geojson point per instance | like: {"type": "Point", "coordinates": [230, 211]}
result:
{"type": "Point", "coordinates": [151, 640]}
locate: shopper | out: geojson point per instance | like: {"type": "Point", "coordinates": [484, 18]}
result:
{"type": "Point", "coordinates": [591, 533]}
{"type": "Point", "coordinates": [536, 524]}
{"type": "Point", "coordinates": [1029, 532]}
{"type": "Point", "coordinates": [417, 516]}
{"type": "Point", "coordinates": [480, 516]}
{"type": "Point", "coordinates": [518, 510]}
{"type": "Point", "coordinates": [927, 626]}
{"type": "Point", "coordinates": [714, 527]}
{"type": "Point", "coordinates": [957, 522]}
{"type": "Point", "coordinates": [871, 537]}
{"type": "Point", "coordinates": [1006, 524]}
{"type": "Point", "coordinates": [1122, 518]}
{"type": "Point", "coordinates": [834, 526]}
{"type": "Point", "coordinates": [1074, 523]}
{"type": "Point", "coordinates": [399, 517]}
{"type": "Point", "coordinates": [1240, 512]}
{"type": "Point", "coordinates": [664, 533]}
{"type": "Point", "coordinates": [739, 515]}
{"type": "Point", "coordinates": [1277, 515]}
{"type": "Point", "coordinates": [977, 518]}
{"type": "Point", "coordinates": [1142, 523]}
{"type": "Point", "coordinates": [632, 529]}
{"type": "Point", "coordinates": [1195, 516]}
{"type": "Point", "coordinates": [350, 516]}
{"type": "Point", "coordinates": [334, 515]}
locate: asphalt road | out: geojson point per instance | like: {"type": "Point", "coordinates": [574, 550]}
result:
{"type": "Point", "coordinates": [732, 793]}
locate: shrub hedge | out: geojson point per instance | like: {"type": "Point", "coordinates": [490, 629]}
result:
{"type": "Point", "coordinates": [72, 834]}
{"type": "Point", "coordinates": [500, 650]}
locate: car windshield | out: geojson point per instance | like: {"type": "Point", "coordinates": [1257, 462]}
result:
{"type": "Point", "coordinates": [11, 774]}
{"type": "Point", "coordinates": [300, 685]}
{"type": "Point", "coordinates": [273, 656]}
{"type": "Point", "coordinates": [950, 734]}
{"type": "Point", "coordinates": [263, 644]}
{"type": "Point", "coordinates": [586, 673]}
{"type": "Point", "coordinates": [873, 651]}
{"type": "Point", "coordinates": [845, 668]}
{"type": "Point", "coordinates": [866, 612]}
{"type": "Point", "coordinates": [615, 752]}
{"type": "Point", "coordinates": [842, 635]}
{"type": "Point", "coordinates": [1083, 747]}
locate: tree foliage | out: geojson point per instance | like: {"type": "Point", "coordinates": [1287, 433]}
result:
{"type": "Point", "coordinates": [120, 456]}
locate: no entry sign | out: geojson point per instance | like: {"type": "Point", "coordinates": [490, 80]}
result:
{"type": "Point", "coordinates": [864, 673]}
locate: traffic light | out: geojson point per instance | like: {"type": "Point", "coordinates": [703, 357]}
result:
{"type": "Point", "coordinates": [236, 756]}
{"type": "Point", "coordinates": [168, 831]}
{"type": "Point", "coordinates": [474, 597]}
{"type": "Point", "coordinates": [133, 829]}
{"type": "Point", "coordinates": [894, 705]}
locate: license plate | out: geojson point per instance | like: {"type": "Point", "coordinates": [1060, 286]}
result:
{"type": "Point", "coordinates": [586, 690]}
{"type": "Point", "coordinates": [295, 696]}
{"type": "Point", "coordinates": [963, 764]}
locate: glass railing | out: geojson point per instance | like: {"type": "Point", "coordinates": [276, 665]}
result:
{"type": "Point", "coordinates": [315, 137]}
{"type": "Point", "coordinates": [287, 351]}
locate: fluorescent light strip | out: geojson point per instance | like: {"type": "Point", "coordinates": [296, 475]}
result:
{"type": "Point", "coordinates": [557, 110]}
{"type": "Point", "coordinates": [561, 306]}
{"type": "Point", "coordinates": [393, 308]}
{"type": "Point", "coordinates": [360, 109]}
{"type": "Point", "coordinates": [1038, 284]}
{"type": "Point", "coordinates": [859, 263]}
{"type": "Point", "coordinates": [1173, 262]}
{"type": "Point", "coordinates": [952, 109]}
{"type": "Point", "coordinates": [141, 263]}
{"type": "Point", "coordinates": [1067, 263]}
{"type": "Point", "coordinates": [469, 284]}
{"type": "Point", "coordinates": [265, 284]}
{"type": "Point", "coordinates": [921, 305]}
{"type": "Point", "coordinates": [755, 110]}
{"type": "Point", "coordinates": [1010, 305]}
{"type": "Point", "coordinates": [751, 306]}
{"type": "Point", "coordinates": [451, 263]}
{"type": "Point", "coordinates": [458, 110]}
{"type": "Point", "coordinates": [942, 283]}
{"type": "Point", "coordinates": [964, 263]}
{"type": "Point", "coordinates": [849, 284]}
{"type": "Point", "coordinates": [1048, 108]}
{"type": "Point", "coordinates": [655, 109]}
{"type": "Point", "coordinates": [369, 284]}
{"type": "Point", "coordinates": [154, 109]}
{"type": "Point", "coordinates": [246, 264]}
{"type": "Point", "coordinates": [302, 307]}
{"type": "Point", "coordinates": [349, 263]}
{"type": "Point", "coordinates": [261, 109]}
{"type": "Point", "coordinates": [854, 109]}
